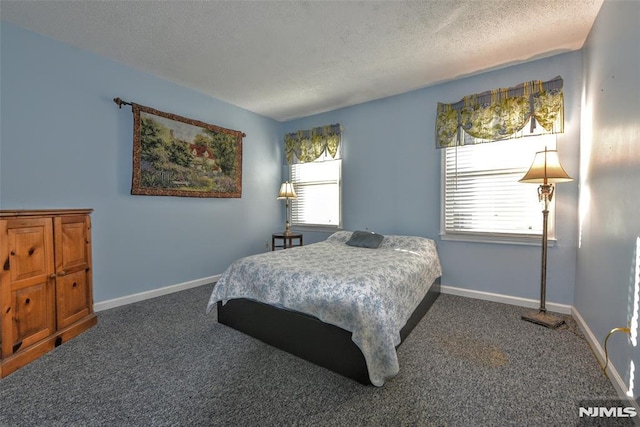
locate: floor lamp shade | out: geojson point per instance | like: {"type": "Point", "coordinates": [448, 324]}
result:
{"type": "Point", "coordinates": [286, 192]}
{"type": "Point", "coordinates": [545, 170]}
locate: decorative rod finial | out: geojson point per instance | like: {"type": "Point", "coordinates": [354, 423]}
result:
{"type": "Point", "coordinates": [120, 102]}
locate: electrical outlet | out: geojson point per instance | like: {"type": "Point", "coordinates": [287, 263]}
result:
{"type": "Point", "coordinates": [267, 245]}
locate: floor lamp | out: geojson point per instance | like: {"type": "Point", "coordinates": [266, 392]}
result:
{"type": "Point", "coordinates": [287, 192]}
{"type": "Point", "coordinates": [546, 170]}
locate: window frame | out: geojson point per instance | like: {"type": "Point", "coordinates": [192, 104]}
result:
{"type": "Point", "coordinates": [495, 237]}
{"type": "Point", "coordinates": [318, 227]}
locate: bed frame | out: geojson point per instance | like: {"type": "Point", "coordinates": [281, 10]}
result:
{"type": "Point", "coordinates": [306, 336]}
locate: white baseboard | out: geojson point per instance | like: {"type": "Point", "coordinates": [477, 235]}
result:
{"type": "Point", "coordinates": [506, 299]}
{"type": "Point", "coordinates": [130, 299]}
{"type": "Point", "coordinates": [618, 382]}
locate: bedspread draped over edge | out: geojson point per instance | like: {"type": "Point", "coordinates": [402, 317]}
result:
{"type": "Point", "coordinates": [368, 292]}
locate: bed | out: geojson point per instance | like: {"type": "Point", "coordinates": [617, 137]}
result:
{"type": "Point", "coordinates": [343, 307]}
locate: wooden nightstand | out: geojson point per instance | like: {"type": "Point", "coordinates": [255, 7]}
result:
{"type": "Point", "coordinates": [287, 240]}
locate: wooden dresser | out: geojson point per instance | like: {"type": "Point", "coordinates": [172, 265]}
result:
{"type": "Point", "coordinates": [46, 293]}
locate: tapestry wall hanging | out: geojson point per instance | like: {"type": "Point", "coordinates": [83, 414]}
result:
{"type": "Point", "coordinates": [177, 156]}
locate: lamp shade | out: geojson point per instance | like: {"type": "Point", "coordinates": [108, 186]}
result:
{"type": "Point", "coordinates": [546, 169]}
{"type": "Point", "coordinates": [286, 191]}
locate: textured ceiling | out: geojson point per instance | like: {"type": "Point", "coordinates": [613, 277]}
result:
{"type": "Point", "coordinates": [287, 59]}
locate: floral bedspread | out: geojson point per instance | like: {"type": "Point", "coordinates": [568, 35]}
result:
{"type": "Point", "coordinates": [369, 292]}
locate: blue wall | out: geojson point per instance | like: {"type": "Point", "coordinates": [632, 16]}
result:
{"type": "Point", "coordinates": [391, 180]}
{"type": "Point", "coordinates": [65, 144]}
{"type": "Point", "coordinates": [608, 265]}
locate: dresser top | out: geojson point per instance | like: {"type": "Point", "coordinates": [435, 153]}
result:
{"type": "Point", "coordinates": [43, 212]}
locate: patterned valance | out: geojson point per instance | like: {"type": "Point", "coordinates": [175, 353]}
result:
{"type": "Point", "coordinates": [501, 114]}
{"type": "Point", "coordinates": [306, 146]}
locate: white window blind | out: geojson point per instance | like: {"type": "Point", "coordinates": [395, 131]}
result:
{"type": "Point", "coordinates": [482, 195]}
{"type": "Point", "coordinates": [317, 185]}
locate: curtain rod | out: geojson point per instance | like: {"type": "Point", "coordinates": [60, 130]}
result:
{"type": "Point", "coordinates": [121, 102]}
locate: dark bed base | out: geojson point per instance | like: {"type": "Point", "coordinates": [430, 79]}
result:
{"type": "Point", "coordinates": [306, 336]}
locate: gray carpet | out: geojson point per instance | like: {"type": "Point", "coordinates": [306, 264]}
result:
{"type": "Point", "coordinates": [165, 362]}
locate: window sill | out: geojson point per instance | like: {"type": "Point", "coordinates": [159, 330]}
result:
{"type": "Point", "coordinates": [321, 228]}
{"type": "Point", "coordinates": [501, 239]}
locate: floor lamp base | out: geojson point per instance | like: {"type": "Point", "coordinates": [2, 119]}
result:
{"type": "Point", "coordinates": [543, 318]}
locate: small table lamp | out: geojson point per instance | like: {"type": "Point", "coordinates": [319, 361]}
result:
{"type": "Point", "coordinates": [286, 192]}
{"type": "Point", "coordinates": [546, 170]}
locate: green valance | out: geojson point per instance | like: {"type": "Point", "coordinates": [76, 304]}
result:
{"type": "Point", "coordinates": [306, 146]}
{"type": "Point", "coordinates": [501, 114]}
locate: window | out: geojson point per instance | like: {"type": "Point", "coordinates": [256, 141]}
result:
{"type": "Point", "coordinates": [482, 198]}
{"type": "Point", "coordinates": [317, 185]}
